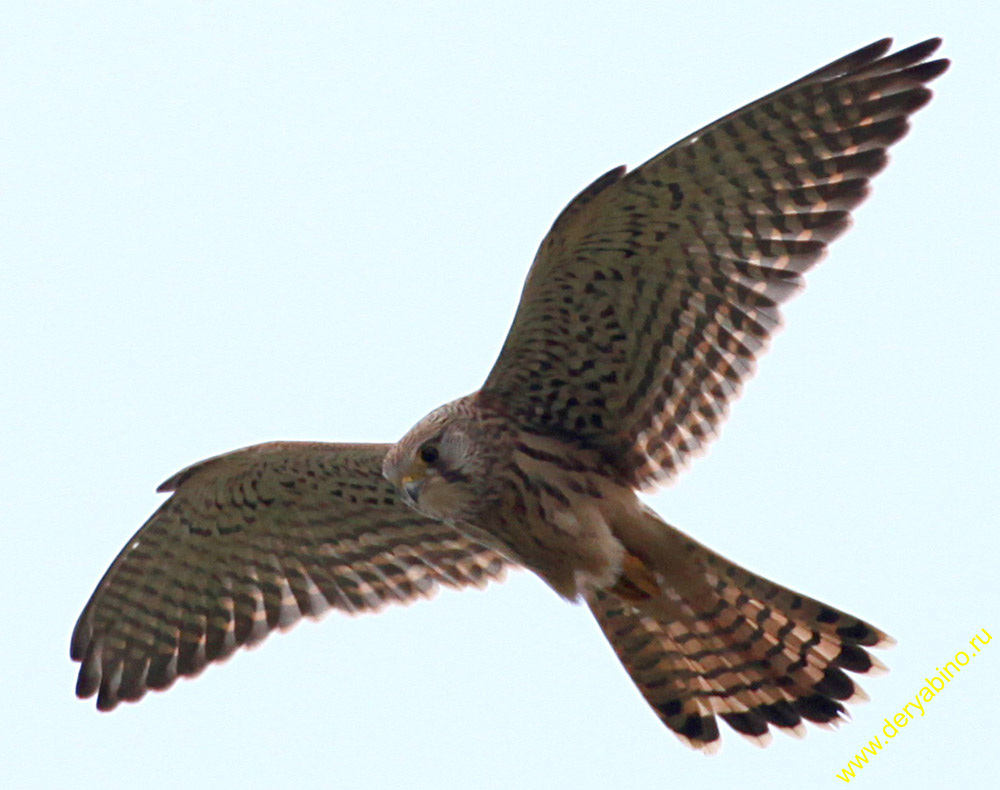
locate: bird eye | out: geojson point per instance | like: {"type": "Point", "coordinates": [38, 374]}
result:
{"type": "Point", "coordinates": [429, 453]}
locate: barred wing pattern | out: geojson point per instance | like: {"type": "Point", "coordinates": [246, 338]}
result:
{"type": "Point", "coordinates": [252, 541]}
{"type": "Point", "coordinates": [730, 643]}
{"type": "Point", "coordinates": [656, 290]}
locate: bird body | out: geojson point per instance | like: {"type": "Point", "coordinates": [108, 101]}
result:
{"type": "Point", "coordinates": [644, 312]}
{"type": "Point", "coordinates": [760, 654]}
{"type": "Point", "coordinates": [542, 503]}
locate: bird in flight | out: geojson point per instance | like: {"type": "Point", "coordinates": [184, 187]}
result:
{"type": "Point", "coordinates": [643, 313]}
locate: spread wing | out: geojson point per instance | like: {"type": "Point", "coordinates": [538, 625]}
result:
{"type": "Point", "coordinates": [656, 290]}
{"type": "Point", "coordinates": [252, 541]}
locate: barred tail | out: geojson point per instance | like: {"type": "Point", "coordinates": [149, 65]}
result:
{"type": "Point", "coordinates": [701, 636]}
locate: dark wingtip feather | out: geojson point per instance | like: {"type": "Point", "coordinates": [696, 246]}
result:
{"type": "Point", "coordinates": [835, 684]}
{"type": "Point", "coordinates": [781, 714]}
{"type": "Point", "coordinates": [859, 633]}
{"type": "Point", "coordinates": [133, 684]}
{"type": "Point", "coordinates": [818, 708]}
{"type": "Point", "coordinates": [162, 672]}
{"type": "Point", "coordinates": [82, 634]}
{"type": "Point", "coordinates": [107, 693]}
{"type": "Point", "coordinates": [852, 61]}
{"type": "Point", "coordinates": [920, 50]}
{"type": "Point", "coordinates": [747, 723]}
{"type": "Point", "coordinates": [700, 731]}
{"type": "Point", "coordinates": [897, 61]}
{"type": "Point", "coordinates": [867, 53]}
{"type": "Point", "coordinates": [925, 72]}
{"type": "Point", "coordinates": [88, 680]}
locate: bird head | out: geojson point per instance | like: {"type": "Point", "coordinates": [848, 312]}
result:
{"type": "Point", "coordinates": [435, 466]}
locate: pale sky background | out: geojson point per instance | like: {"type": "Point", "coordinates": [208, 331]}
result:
{"type": "Point", "coordinates": [224, 223]}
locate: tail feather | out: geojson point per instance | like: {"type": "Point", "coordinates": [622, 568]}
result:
{"type": "Point", "coordinates": [721, 641]}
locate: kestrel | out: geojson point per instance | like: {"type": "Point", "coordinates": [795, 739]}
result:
{"type": "Point", "coordinates": [643, 313]}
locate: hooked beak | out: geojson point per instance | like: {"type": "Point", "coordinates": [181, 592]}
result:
{"type": "Point", "coordinates": [409, 489]}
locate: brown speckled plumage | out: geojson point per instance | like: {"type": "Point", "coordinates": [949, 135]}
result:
{"type": "Point", "coordinates": [252, 541]}
{"type": "Point", "coordinates": [656, 290]}
{"type": "Point", "coordinates": [644, 312]}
